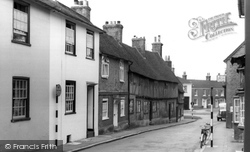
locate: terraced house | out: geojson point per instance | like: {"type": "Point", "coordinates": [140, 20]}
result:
{"type": "Point", "coordinates": [47, 51]}
{"type": "Point", "coordinates": [136, 86]}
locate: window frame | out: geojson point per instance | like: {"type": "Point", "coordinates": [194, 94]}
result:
{"type": "Point", "coordinates": [236, 110]}
{"type": "Point", "coordinates": [73, 111]}
{"type": "Point", "coordinates": [27, 5]}
{"type": "Point", "coordinates": [27, 109]}
{"type": "Point", "coordinates": [105, 101]}
{"type": "Point", "coordinates": [138, 107]}
{"type": "Point", "coordinates": [89, 32]}
{"type": "Point", "coordinates": [122, 107]}
{"type": "Point", "coordinates": [195, 92]}
{"type": "Point", "coordinates": [105, 62]}
{"type": "Point", "coordinates": [122, 71]}
{"type": "Point", "coordinates": [185, 88]}
{"type": "Point", "coordinates": [242, 111]}
{"type": "Point", "coordinates": [131, 106]}
{"type": "Point", "coordinates": [204, 92]}
{"type": "Point", "coordinates": [74, 46]}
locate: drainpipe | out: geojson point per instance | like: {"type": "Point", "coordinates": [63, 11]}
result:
{"type": "Point", "coordinates": [129, 71]}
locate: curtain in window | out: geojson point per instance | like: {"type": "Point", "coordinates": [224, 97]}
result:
{"type": "Point", "coordinates": [70, 36]}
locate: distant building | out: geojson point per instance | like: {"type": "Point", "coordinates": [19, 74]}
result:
{"type": "Point", "coordinates": [201, 92]}
{"type": "Point", "coordinates": [187, 87]}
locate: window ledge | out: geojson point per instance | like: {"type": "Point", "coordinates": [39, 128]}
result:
{"type": "Point", "coordinates": [18, 42]}
{"type": "Point", "coordinates": [90, 59]}
{"type": "Point", "coordinates": [105, 77]}
{"type": "Point", "coordinates": [71, 54]}
{"type": "Point", "coordinates": [70, 113]}
{"type": "Point", "coordinates": [122, 81]}
{"type": "Point", "coordinates": [20, 119]}
{"type": "Point", "coordinates": [106, 118]}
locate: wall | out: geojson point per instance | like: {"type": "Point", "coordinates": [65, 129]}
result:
{"type": "Point", "coordinates": [27, 61]}
{"type": "Point", "coordinates": [77, 68]}
{"type": "Point", "coordinates": [112, 88]}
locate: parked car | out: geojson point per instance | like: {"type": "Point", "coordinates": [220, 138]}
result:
{"type": "Point", "coordinates": [222, 112]}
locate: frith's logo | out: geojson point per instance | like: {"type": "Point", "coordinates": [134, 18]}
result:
{"type": "Point", "coordinates": [210, 28]}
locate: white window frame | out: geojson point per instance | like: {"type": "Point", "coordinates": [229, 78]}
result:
{"type": "Point", "coordinates": [185, 88]}
{"type": "Point", "coordinates": [121, 71]}
{"type": "Point", "coordinates": [204, 92]}
{"type": "Point", "coordinates": [122, 108]}
{"type": "Point", "coordinates": [105, 67]}
{"type": "Point", "coordinates": [216, 92]}
{"type": "Point", "coordinates": [21, 32]}
{"type": "Point", "coordinates": [236, 111]}
{"type": "Point", "coordinates": [20, 98]}
{"type": "Point", "coordinates": [222, 93]}
{"type": "Point", "coordinates": [70, 97]}
{"type": "Point", "coordinates": [90, 53]}
{"type": "Point", "coordinates": [195, 92]}
{"type": "Point", "coordinates": [70, 38]}
{"type": "Point", "coordinates": [105, 108]}
{"type": "Point", "coordinates": [242, 111]}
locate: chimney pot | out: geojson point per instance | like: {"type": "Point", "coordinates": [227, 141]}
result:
{"type": "Point", "coordinates": [118, 22]}
{"type": "Point", "coordinates": [106, 22]}
{"type": "Point", "coordinates": [159, 38]}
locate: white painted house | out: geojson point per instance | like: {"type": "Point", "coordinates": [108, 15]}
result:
{"type": "Point", "coordinates": [187, 87]}
{"type": "Point", "coordinates": [43, 44]}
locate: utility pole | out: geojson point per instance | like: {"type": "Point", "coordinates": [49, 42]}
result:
{"type": "Point", "coordinates": [211, 95]}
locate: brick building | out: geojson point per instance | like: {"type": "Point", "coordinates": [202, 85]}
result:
{"type": "Point", "coordinates": [150, 90]}
{"type": "Point", "coordinates": [201, 92]}
{"type": "Point", "coordinates": [235, 98]}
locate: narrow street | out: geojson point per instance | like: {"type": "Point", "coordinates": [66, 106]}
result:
{"type": "Point", "coordinates": [183, 138]}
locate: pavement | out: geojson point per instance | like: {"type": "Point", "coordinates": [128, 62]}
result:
{"type": "Point", "coordinates": [222, 140]}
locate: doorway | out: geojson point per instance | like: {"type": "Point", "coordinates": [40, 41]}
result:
{"type": "Point", "coordinates": [90, 111]}
{"type": "Point", "coordinates": [115, 113]}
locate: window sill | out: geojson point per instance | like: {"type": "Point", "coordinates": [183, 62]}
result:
{"type": "Point", "coordinates": [18, 42]}
{"type": "Point", "coordinates": [122, 115]}
{"type": "Point", "coordinates": [105, 77]}
{"type": "Point", "coordinates": [90, 59]}
{"type": "Point", "coordinates": [71, 54]}
{"type": "Point", "coordinates": [70, 113]}
{"type": "Point", "coordinates": [122, 81]}
{"type": "Point", "coordinates": [20, 119]}
{"type": "Point", "coordinates": [106, 118]}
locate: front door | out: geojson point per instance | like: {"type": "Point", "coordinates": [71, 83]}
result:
{"type": "Point", "coordinates": [186, 103]}
{"type": "Point", "coordinates": [115, 115]}
{"type": "Point", "coordinates": [90, 111]}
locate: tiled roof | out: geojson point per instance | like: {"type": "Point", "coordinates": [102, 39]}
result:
{"type": "Point", "coordinates": [241, 46]}
{"type": "Point", "coordinates": [65, 10]}
{"type": "Point", "coordinates": [151, 66]}
{"type": "Point", "coordinates": [206, 84]}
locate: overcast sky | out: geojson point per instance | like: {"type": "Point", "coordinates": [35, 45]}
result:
{"type": "Point", "coordinates": [170, 19]}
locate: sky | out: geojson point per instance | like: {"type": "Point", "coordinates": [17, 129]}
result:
{"type": "Point", "coordinates": [170, 19]}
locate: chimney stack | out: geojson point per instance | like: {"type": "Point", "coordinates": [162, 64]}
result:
{"type": "Point", "coordinates": [139, 43]}
{"type": "Point", "coordinates": [157, 46]}
{"type": "Point", "coordinates": [184, 76]}
{"type": "Point", "coordinates": [82, 7]}
{"type": "Point", "coordinates": [168, 61]}
{"type": "Point", "coordinates": [208, 77]}
{"type": "Point", "coordinates": [114, 29]}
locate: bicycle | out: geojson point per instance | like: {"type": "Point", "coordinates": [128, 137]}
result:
{"type": "Point", "coordinates": [205, 134]}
